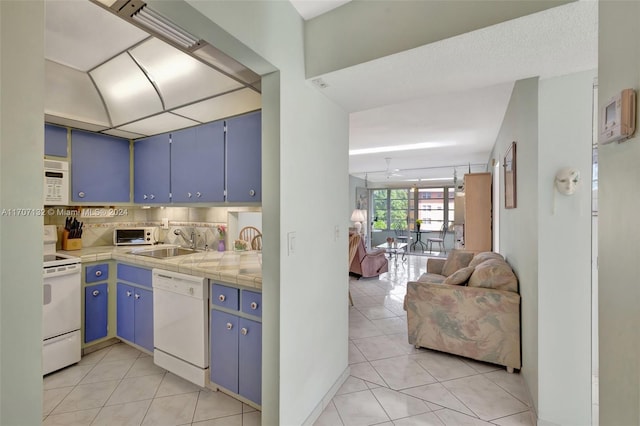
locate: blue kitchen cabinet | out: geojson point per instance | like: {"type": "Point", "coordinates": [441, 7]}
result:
{"type": "Point", "coordinates": [125, 312]}
{"type": "Point", "coordinates": [224, 350]}
{"type": "Point", "coordinates": [151, 173]}
{"type": "Point", "coordinates": [197, 164]}
{"type": "Point", "coordinates": [236, 341]}
{"type": "Point", "coordinates": [135, 305]}
{"type": "Point", "coordinates": [55, 140]}
{"type": "Point", "coordinates": [244, 158]}
{"type": "Point", "coordinates": [100, 169]}
{"type": "Point", "coordinates": [96, 309]}
{"type": "Point", "coordinates": [250, 360]}
{"type": "Point", "coordinates": [143, 318]}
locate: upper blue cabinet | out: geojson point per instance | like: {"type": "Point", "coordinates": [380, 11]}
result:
{"type": "Point", "coordinates": [100, 168]}
{"type": "Point", "coordinates": [197, 164]}
{"type": "Point", "coordinates": [55, 140]}
{"type": "Point", "coordinates": [151, 166]}
{"type": "Point", "coordinates": [244, 158]}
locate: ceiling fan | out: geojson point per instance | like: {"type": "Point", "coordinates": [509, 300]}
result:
{"type": "Point", "coordinates": [391, 173]}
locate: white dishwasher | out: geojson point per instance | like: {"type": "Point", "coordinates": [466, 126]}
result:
{"type": "Point", "coordinates": [180, 319]}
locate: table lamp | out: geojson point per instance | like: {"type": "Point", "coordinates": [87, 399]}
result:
{"type": "Point", "coordinates": [358, 216]}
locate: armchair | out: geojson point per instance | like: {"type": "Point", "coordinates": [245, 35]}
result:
{"type": "Point", "coordinates": [367, 263]}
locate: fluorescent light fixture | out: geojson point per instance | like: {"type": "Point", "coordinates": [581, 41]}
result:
{"type": "Point", "coordinates": [394, 148]}
{"type": "Point", "coordinates": [161, 25]}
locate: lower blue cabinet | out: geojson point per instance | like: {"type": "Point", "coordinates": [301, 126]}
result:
{"type": "Point", "coordinates": [135, 315]}
{"type": "Point", "coordinates": [96, 312]}
{"type": "Point", "coordinates": [236, 354]}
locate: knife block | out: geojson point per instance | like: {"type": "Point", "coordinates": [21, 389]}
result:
{"type": "Point", "coordinates": [70, 243]}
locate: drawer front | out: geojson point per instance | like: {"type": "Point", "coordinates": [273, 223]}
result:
{"type": "Point", "coordinates": [226, 297]}
{"type": "Point", "coordinates": [252, 303]}
{"type": "Point", "coordinates": [134, 274]}
{"type": "Point", "coordinates": [96, 273]}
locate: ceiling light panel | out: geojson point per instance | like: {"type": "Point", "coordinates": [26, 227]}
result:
{"type": "Point", "coordinates": [126, 91]}
{"type": "Point", "coordinates": [70, 93]}
{"type": "Point", "coordinates": [81, 35]}
{"type": "Point", "coordinates": [157, 124]}
{"type": "Point", "coordinates": [233, 103]}
{"type": "Point", "coordinates": [180, 78]}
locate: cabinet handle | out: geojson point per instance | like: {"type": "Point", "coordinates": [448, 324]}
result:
{"type": "Point", "coordinates": [144, 197]}
{"type": "Point", "coordinates": [244, 331]}
{"type": "Point", "coordinates": [254, 305]}
{"type": "Point", "coordinates": [81, 194]}
{"type": "Point", "coordinates": [252, 192]}
{"type": "Point", "coordinates": [222, 298]}
{"type": "Point", "coordinates": [128, 294]}
{"type": "Point", "coordinates": [95, 293]}
{"type": "Point", "coordinates": [152, 196]}
{"type": "Point", "coordinates": [229, 326]}
{"type": "Point", "coordinates": [198, 194]}
{"type": "Point", "coordinates": [98, 273]}
{"type": "Point", "coordinates": [137, 296]}
{"type": "Point", "coordinates": [189, 194]}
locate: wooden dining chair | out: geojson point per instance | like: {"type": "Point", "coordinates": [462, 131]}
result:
{"type": "Point", "coordinates": [248, 233]}
{"type": "Point", "coordinates": [256, 242]}
{"type": "Point", "coordinates": [439, 239]}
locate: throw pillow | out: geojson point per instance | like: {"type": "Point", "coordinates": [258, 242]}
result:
{"type": "Point", "coordinates": [457, 259]}
{"type": "Point", "coordinates": [496, 274]}
{"type": "Point", "coordinates": [485, 255]}
{"type": "Point", "coordinates": [459, 277]}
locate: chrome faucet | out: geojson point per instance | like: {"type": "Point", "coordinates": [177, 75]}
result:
{"type": "Point", "coordinates": [191, 241]}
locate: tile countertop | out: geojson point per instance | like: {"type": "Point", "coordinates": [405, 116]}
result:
{"type": "Point", "coordinates": [242, 268]}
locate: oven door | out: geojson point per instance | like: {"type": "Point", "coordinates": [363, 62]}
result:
{"type": "Point", "coordinates": [61, 300]}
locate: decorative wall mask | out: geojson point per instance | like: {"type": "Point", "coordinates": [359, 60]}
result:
{"type": "Point", "coordinates": [567, 180]}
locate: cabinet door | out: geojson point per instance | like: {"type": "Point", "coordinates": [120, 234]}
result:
{"type": "Point", "coordinates": [55, 140]}
{"type": "Point", "coordinates": [197, 164]}
{"type": "Point", "coordinates": [125, 312]}
{"type": "Point", "coordinates": [244, 157]}
{"type": "Point", "coordinates": [95, 273]}
{"type": "Point", "coordinates": [151, 162]}
{"type": "Point", "coordinates": [224, 350]}
{"type": "Point", "coordinates": [143, 322]}
{"type": "Point", "coordinates": [250, 360]}
{"type": "Point", "coordinates": [96, 312]}
{"type": "Point", "coordinates": [99, 167]}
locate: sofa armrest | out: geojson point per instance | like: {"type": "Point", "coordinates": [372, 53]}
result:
{"type": "Point", "coordinates": [478, 323]}
{"type": "Point", "coordinates": [434, 266]}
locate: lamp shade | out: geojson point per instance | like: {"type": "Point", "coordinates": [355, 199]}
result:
{"type": "Point", "coordinates": [358, 216]}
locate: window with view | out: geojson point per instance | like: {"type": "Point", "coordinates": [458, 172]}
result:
{"type": "Point", "coordinates": [399, 208]}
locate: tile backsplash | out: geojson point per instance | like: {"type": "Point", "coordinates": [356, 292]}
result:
{"type": "Point", "coordinates": [98, 227]}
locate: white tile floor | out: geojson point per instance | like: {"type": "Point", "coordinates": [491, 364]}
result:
{"type": "Point", "coordinates": [392, 383]}
{"type": "Point", "coordinates": [120, 385]}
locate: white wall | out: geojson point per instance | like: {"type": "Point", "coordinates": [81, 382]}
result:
{"type": "Point", "coordinates": [564, 251]}
{"type": "Point", "coordinates": [313, 190]}
{"type": "Point", "coordinates": [21, 154]}
{"type": "Point", "coordinates": [619, 234]}
{"type": "Point", "coordinates": [519, 226]}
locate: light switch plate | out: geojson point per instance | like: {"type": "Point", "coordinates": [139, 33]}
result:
{"type": "Point", "coordinates": [291, 243]}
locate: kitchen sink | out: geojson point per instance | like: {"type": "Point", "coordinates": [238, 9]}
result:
{"type": "Point", "coordinates": [163, 253]}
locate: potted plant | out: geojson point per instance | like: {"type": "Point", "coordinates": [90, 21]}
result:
{"type": "Point", "coordinates": [222, 230]}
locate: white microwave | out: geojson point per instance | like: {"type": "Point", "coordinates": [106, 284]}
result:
{"type": "Point", "coordinates": [56, 183]}
{"type": "Point", "coordinates": [135, 236]}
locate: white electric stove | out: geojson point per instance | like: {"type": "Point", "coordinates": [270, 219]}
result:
{"type": "Point", "coordinates": [61, 316]}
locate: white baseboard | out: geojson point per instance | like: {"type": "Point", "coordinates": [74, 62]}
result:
{"type": "Point", "coordinates": [327, 398]}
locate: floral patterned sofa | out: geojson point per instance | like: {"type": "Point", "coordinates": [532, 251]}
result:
{"type": "Point", "coordinates": [467, 305]}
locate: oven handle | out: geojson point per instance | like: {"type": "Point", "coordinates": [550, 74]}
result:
{"type": "Point", "coordinates": [47, 294]}
{"type": "Point", "coordinates": [61, 271]}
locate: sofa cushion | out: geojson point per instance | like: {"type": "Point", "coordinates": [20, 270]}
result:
{"type": "Point", "coordinates": [457, 259]}
{"type": "Point", "coordinates": [496, 274]}
{"type": "Point", "coordinates": [485, 255]}
{"type": "Point", "coordinates": [428, 277]}
{"type": "Point", "coordinates": [459, 277]}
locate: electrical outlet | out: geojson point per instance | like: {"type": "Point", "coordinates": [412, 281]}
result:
{"type": "Point", "coordinates": [336, 235]}
{"type": "Point", "coordinates": [165, 223]}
